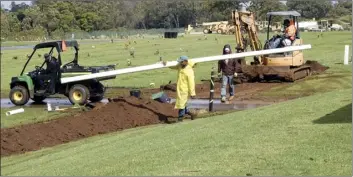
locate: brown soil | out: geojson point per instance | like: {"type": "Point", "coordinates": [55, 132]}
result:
{"type": "Point", "coordinates": [316, 67]}
{"type": "Point", "coordinates": [120, 114]}
{"type": "Point", "coordinates": [245, 91]}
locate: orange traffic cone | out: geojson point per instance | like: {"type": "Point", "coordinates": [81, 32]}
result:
{"type": "Point", "coordinates": [63, 45]}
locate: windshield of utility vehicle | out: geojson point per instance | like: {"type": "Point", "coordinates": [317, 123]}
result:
{"type": "Point", "coordinates": [37, 59]}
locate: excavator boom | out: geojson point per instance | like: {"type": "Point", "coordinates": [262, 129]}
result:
{"type": "Point", "coordinates": [245, 30]}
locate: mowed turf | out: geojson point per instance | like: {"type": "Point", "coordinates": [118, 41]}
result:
{"type": "Point", "coordinates": [328, 50]}
{"type": "Point", "coordinates": [308, 136]}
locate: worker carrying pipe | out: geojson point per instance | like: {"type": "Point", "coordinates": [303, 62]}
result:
{"type": "Point", "coordinates": [185, 85]}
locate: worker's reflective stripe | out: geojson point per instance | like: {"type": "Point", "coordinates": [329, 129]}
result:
{"type": "Point", "coordinates": [211, 90]}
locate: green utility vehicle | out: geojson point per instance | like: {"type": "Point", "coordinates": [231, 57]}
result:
{"type": "Point", "coordinates": [28, 86]}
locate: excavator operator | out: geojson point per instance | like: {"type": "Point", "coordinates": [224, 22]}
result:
{"type": "Point", "coordinates": [288, 36]}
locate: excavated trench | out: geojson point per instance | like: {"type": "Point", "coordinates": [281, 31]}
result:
{"type": "Point", "coordinates": [121, 113]}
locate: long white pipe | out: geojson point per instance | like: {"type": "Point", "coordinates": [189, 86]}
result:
{"type": "Point", "coordinates": [174, 63]}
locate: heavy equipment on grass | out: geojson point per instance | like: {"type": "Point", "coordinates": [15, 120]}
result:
{"type": "Point", "coordinates": [288, 66]}
{"type": "Point", "coordinates": [27, 85]}
{"type": "Point", "coordinates": [82, 84]}
{"type": "Point", "coordinates": [221, 27]}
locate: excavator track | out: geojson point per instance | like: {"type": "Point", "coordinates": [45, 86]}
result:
{"type": "Point", "coordinates": [300, 73]}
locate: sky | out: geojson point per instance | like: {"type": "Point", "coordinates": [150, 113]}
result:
{"type": "Point", "coordinates": [6, 4]}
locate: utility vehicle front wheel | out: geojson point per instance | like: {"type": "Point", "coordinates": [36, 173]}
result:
{"type": "Point", "coordinates": [79, 94]}
{"type": "Point", "coordinates": [19, 95]}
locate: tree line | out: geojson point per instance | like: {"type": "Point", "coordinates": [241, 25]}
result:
{"type": "Point", "coordinates": [54, 18]}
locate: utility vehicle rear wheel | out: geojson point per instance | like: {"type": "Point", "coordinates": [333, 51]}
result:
{"type": "Point", "coordinates": [79, 94]}
{"type": "Point", "coordinates": [19, 95]}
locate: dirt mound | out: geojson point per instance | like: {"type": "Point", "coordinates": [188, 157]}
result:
{"type": "Point", "coordinates": [120, 114]}
{"type": "Point", "coordinates": [171, 87]}
{"type": "Point", "coordinates": [254, 73]}
{"type": "Point", "coordinates": [316, 67]}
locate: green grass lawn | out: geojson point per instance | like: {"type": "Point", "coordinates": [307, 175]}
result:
{"type": "Point", "coordinates": [308, 136]}
{"type": "Point", "coordinates": [327, 50]}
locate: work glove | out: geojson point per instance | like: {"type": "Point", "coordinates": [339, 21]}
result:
{"type": "Point", "coordinates": [235, 74]}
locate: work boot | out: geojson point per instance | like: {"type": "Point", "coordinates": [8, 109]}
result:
{"type": "Point", "coordinates": [223, 99]}
{"type": "Point", "coordinates": [193, 114]}
{"type": "Point", "coordinates": [180, 119]}
{"type": "Point", "coordinates": [230, 98]}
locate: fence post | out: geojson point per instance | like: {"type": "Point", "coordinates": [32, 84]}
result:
{"type": "Point", "coordinates": [210, 108]}
{"type": "Point", "coordinates": [346, 53]}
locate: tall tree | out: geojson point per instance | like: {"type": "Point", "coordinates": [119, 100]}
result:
{"type": "Point", "coordinates": [342, 8]}
{"type": "Point", "coordinates": [261, 7]}
{"type": "Point", "coordinates": [311, 8]}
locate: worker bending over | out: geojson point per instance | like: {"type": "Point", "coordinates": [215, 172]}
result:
{"type": "Point", "coordinates": [185, 86]}
{"type": "Point", "coordinates": [227, 68]}
{"type": "Point", "coordinates": [288, 37]}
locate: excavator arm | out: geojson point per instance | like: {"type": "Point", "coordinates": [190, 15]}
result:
{"type": "Point", "coordinates": [246, 31]}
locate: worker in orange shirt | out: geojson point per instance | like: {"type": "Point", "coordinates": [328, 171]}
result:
{"type": "Point", "coordinates": [289, 32]}
{"type": "Point", "coordinates": [289, 35]}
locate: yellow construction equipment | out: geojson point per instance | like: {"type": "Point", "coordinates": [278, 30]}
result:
{"type": "Point", "coordinates": [287, 66]}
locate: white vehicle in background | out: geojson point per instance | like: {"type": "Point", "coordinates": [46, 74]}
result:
{"type": "Point", "coordinates": [315, 28]}
{"type": "Point", "coordinates": [336, 27]}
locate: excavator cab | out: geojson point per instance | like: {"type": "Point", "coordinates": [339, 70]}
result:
{"type": "Point", "coordinates": [293, 59]}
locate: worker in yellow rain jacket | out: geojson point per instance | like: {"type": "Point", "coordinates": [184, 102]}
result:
{"type": "Point", "coordinates": [185, 86]}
